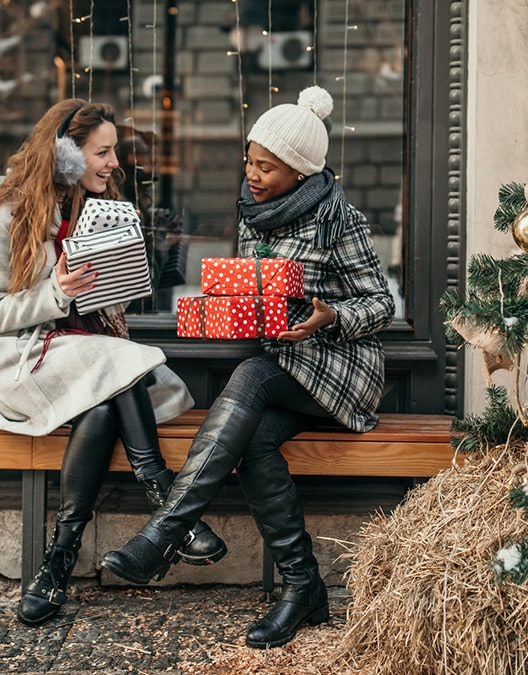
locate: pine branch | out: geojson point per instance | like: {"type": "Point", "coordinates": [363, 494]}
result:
{"type": "Point", "coordinates": [519, 497]}
{"type": "Point", "coordinates": [511, 202]}
{"type": "Point", "coordinates": [485, 272]}
{"type": "Point", "coordinates": [480, 432]}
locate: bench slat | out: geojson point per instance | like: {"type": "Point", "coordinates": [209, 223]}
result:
{"type": "Point", "coordinates": [15, 451]}
{"type": "Point", "coordinates": [401, 445]}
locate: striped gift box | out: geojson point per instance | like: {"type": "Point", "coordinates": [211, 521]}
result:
{"type": "Point", "coordinates": [120, 257]}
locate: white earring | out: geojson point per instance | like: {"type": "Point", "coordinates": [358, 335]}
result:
{"type": "Point", "coordinates": [300, 177]}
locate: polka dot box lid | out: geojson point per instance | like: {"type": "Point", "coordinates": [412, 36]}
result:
{"type": "Point", "coordinates": [232, 317]}
{"type": "Point", "coordinates": [253, 276]}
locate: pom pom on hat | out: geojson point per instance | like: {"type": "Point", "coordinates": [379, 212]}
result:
{"type": "Point", "coordinates": [296, 134]}
{"type": "Point", "coordinates": [318, 100]}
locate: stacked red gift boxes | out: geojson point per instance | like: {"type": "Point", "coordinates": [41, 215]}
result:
{"type": "Point", "coordinates": [244, 298]}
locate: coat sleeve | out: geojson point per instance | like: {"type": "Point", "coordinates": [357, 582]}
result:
{"type": "Point", "coordinates": [369, 306]}
{"type": "Point", "coordinates": [27, 308]}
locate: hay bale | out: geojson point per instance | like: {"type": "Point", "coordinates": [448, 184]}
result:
{"type": "Point", "coordinates": [425, 599]}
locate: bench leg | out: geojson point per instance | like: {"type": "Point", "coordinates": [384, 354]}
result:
{"type": "Point", "coordinates": [34, 514]}
{"type": "Point", "coordinates": [268, 570]}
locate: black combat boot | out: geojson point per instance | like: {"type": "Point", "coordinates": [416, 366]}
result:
{"type": "Point", "coordinates": [44, 596]}
{"type": "Point", "coordinates": [214, 453]}
{"type": "Point", "coordinates": [273, 502]}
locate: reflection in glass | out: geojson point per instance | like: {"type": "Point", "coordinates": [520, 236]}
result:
{"type": "Point", "coordinates": [187, 108]}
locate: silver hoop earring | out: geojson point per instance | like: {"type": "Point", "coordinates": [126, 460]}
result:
{"type": "Point", "coordinates": [300, 177]}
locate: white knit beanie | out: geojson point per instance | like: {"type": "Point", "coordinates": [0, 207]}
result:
{"type": "Point", "coordinates": [296, 134]}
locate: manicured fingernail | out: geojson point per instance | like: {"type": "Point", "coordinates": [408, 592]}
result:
{"type": "Point", "coordinates": [88, 265]}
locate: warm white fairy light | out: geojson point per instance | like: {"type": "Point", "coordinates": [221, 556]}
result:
{"type": "Point", "coordinates": [315, 19]}
{"type": "Point", "coordinates": [153, 162]}
{"type": "Point", "coordinates": [344, 92]}
{"type": "Point", "coordinates": [72, 50]}
{"type": "Point", "coordinates": [90, 58]}
{"type": "Point", "coordinates": [128, 19]}
{"type": "Point", "coordinates": [243, 106]}
{"type": "Point", "coordinates": [270, 65]}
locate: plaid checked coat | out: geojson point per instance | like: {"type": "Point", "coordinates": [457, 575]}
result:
{"type": "Point", "coordinates": [342, 370]}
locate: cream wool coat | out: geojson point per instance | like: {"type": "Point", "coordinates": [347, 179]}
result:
{"type": "Point", "coordinates": [79, 371]}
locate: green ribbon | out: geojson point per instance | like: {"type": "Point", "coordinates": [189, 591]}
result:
{"type": "Point", "coordinates": [262, 250]}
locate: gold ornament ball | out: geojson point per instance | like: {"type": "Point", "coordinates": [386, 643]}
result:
{"type": "Point", "coordinates": [520, 230]}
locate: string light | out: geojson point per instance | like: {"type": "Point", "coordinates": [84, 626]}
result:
{"type": "Point", "coordinates": [153, 161]}
{"type": "Point", "coordinates": [243, 106]}
{"type": "Point", "coordinates": [270, 76]}
{"type": "Point", "coordinates": [90, 58]}
{"type": "Point", "coordinates": [344, 92]}
{"type": "Point", "coordinates": [128, 18]}
{"type": "Point", "coordinates": [315, 19]}
{"type": "Point", "coordinates": [72, 50]}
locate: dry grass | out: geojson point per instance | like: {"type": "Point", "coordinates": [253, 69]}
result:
{"type": "Point", "coordinates": [425, 598]}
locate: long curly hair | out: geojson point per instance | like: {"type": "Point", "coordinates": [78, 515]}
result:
{"type": "Point", "coordinates": [32, 193]}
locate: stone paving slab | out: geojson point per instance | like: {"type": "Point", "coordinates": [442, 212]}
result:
{"type": "Point", "coordinates": [179, 630]}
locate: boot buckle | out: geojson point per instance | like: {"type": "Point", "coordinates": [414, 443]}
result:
{"type": "Point", "coordinates": [188, 539]}
{"type": "Point", "coordinates": [56, 596]}
{"type": "Point", "coordinates": [171, 554]}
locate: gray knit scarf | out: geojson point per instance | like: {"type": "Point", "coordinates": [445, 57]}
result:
{"type": "Point", "coordinates": [320, 194]}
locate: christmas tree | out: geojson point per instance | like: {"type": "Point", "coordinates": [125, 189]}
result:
{"type": "Point", "coordinates": [494, 317]}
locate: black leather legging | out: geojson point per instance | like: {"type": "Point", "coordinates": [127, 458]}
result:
{"type": "Point", "coordinates": [129, 415]}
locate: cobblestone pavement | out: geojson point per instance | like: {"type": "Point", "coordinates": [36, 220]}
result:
{"type": "Point", "coordinates": [180, 630]}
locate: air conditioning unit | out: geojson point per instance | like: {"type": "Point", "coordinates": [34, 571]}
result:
{"type": "Point", "coordinates": [289, 50]}
{"type": "Point", "coordinates": [108, 52]}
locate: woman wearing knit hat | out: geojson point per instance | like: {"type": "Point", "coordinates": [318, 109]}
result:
{"type": "Point", "coordinates": [329, 364]}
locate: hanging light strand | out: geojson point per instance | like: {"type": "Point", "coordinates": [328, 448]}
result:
{"type": "Point", "coordinates": [240, 81]}
{"type": "Point", "coordinates": [270, 67]}
{"type": "Point", "coordinates": [154, 130]}
{"type": "Point", "coordinates": [131, 104]}
{"type": "Point", "coordinates": [315, 19]}
{"type": "Point", "coordinates": [72, 50]}
{"type": "Point", "coordinates": [90, 60]}
{"type": "Point", "coordinates": [344, 93]}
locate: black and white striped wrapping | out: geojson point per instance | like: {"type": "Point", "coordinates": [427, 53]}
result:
{"type": "Point", "coordinates": [120, 257]}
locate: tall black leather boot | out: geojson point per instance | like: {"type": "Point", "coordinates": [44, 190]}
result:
{"type": "Point", "coordinates": [201, 546]}
{"type": "Point", "coordinates": [84, 468]}
{"type": "Point", "coordinates": [139, 434]}
{"type": "Point", "coordinates": [273, 501]}
{"type": "Point", "coordinates": [214, 453]}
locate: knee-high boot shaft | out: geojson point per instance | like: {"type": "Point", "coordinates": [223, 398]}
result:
{"type": "Point", "coordinates": [139, 433]}
{"type": "Point", "coordinates": [214, 453]}
{"type": "Point", "coordinates": [274, 503]}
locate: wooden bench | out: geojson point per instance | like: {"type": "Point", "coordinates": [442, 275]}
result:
{"type": "Point", "coordinates": [402, 445]}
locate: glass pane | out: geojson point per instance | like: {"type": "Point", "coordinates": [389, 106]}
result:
{"type": "Point", "coordinates": [355, 50]}
{"type": "Point", "coordinates": [201, 73]}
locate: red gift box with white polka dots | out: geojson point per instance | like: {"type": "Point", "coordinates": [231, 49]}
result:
{"type": "Point", "coordinates": [253, 276]}
{"type": "Point", "coordinates": [232, 317]}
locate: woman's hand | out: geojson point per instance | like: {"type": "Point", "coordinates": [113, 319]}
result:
{"type": "Point", "coordinates": [74, 283]}
{"type": "Point", "coordinates": [322, 316]}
